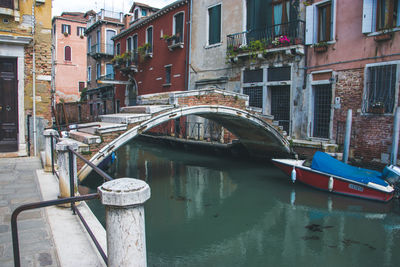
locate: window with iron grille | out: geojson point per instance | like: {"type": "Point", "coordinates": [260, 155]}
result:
{"type": "Point", "coordinates": [255, 96]}
{"type": "Point", "coordinates": [380, 90]}
{"type": "Point", "coordinates": [279, 74]}
{"type": "Point", "coordinates": [252, 76]}
{"type": "Point", "coordinates": [322, 110]}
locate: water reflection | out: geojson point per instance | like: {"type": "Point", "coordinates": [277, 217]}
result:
{"type": "Point", "coordinates": [206, 211]}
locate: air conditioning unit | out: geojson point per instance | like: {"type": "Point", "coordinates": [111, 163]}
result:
{"type": "Point", "coordinates": [40, 2]}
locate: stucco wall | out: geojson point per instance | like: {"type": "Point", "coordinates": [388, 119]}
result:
{"type": "Point", "coordinates": [69, 73]}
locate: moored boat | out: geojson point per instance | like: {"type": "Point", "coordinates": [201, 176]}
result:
{"type": "Point", "coordinates": [329, 174]}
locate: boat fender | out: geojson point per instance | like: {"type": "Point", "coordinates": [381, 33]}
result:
{"type": "Point", "coordinates": [330, 184]}
{"type": "Point", "coordinates": [293, 176]}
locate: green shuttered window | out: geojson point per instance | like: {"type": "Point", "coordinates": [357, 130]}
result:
{"type": "Point", "coordinates": [214, 25]}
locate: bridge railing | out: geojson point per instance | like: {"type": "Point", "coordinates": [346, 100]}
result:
{"type": "Point", "coordinates": [131, 200]}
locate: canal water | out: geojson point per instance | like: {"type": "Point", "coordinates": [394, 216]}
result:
{"type": "Point", "coordinates": [211, 211]}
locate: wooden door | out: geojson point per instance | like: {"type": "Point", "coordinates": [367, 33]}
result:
{"type": "Point", "coordinates": [8, 105]}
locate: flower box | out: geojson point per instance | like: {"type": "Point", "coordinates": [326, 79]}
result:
{"type": "Point", "coordinates": [320, 49]}
{"type": "Point", "coordinates": [383, 37]}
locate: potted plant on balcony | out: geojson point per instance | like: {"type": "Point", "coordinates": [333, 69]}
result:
{"type": "Point", "coordinates": [117, 60]}
{"type": "Point", "coordinates": [321, 47]}
{"type": "Point", "coordinates": [144, 50]}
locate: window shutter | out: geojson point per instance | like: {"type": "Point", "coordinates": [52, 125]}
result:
{"type": "Point", "coordinates": [67, 55]}
{"type": "Point", "coordinates": [309, 25]}
{"type": "Point", "coordinates": [367, 19]}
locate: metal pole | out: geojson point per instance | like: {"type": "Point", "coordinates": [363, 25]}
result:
{"type": "Point", "coordinates": [395, 142]}
{"type": "Point", "coordinates": [347, 137]}
{"type": "Point", "coordinates": [71, 178]}
{"type": "Point", "coordinates": [34, 81]}
{"type": "Point", "coordinates": [52, 153]}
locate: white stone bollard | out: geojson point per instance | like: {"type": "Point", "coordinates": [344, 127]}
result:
{"type": "Point", "coordinates": [64, 168]}
{"type": "Point", "coordinates": [126, 237]}
{"type": "Point", "coordinates": [48, 134]}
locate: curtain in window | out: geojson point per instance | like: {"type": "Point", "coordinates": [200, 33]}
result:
{"type": "Point", "coordinates": [214, 31]}
{"type": "Point", "coordinates": [277, 18]}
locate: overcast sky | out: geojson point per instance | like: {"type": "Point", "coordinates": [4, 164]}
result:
{"type": "Point", "coordinates": [60, 6]}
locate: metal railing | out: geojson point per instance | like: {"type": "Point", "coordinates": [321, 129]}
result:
{"type": "Point", "coordinates": [294, 31]}
{"type": "Point", "coordinates": [102, 48]}
{"type": "Point", "coordinates": [71, 200]}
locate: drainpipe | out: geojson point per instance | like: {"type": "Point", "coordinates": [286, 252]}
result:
{"type": "Point", "coordinates": [395, 142]}
{"type": "Point", "coordinates": [34, 80]}
{"type": "Point", "coordinates": [189, 45]}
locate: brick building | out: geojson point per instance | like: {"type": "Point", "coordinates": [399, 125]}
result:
{"type": "Point", "coordinates": [100, 29]}
{"type": "Point", "coordinates": [354, 63]}
{"type": "Point", "coordinates": [151, 52]}
{"type": "Point", "coordinates": [69, 55]}
{"type": "Point", "coordinates": [25, 74]}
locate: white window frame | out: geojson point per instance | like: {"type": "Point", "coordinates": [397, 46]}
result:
{"type": "Point", "coordinates": [174, 24]}
{"type": "Point", "coordinates": [105, 38]}
{"type": "Point", "coordinates": [127, 40]}
{"type": "Point", "coordinates": [89, 73]}
{"type": "Point", "coordinates": [397, 84]}
{"type": "Point", "coordinates": [265, 84]}
{"type": "Point", "coordinates": [369, 18]}
{"type": "Point", "coordinates": [311, 99]}
{"type": "Point", "coordinates": [70, 55]}
{"type": "Point", "coordinates": [66, 29]}
{"type": "Point", "coordinates": [208, 45]}
{"type": "Point", "coordinates": [98, 75]}
{"type": "Point", "coordinates": [137, 41]}
{"type": "Point", "coordinates": [152, 38]}
{"type": "Point", "coordinates": [312, 22]}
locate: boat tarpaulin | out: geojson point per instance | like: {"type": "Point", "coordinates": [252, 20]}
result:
{"type": "Point", "coordinates": [324, 163]}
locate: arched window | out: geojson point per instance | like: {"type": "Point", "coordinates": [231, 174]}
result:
{"type": "Point", "coordinates": [67, 53]}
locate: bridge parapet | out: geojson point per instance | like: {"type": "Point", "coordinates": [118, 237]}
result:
{"type": "Point", "coordinates": [207, 96]}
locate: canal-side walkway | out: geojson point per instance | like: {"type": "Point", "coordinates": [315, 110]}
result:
{"type": "Point", "coordinates": [47, 237]}
{"type": "Point", "coordinates": [19, 185]}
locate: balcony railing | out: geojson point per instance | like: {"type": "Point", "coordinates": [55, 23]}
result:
{"type": "Point", "coordinates": [107, 77]}
{"type": "Point", "coordinates": [105, 15]}
{"type": "Point", "coordinates": [278, 35]}
{"type": "Point", "coordinates": [128, 61]}
{"type": "Point", "coordinates": [102, 49]}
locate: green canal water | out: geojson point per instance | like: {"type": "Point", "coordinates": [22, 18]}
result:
{"type": "Point", "coordinates": [213, 211]}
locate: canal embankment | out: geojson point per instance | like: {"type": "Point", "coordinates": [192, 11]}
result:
{"type": "Point", "coordinates": [47, 237]}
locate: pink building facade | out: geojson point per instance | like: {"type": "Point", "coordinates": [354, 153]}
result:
{"type": "Point", "coordinates": [353, 62]}
{"type": "Point", "coordinates": [69, 56]}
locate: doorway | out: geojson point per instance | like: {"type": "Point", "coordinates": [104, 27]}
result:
{"type": "Point", "coordinates": [8, 105]}
{"type": "Point", "coordinates": [322, 110]}
{"type": "Point", "coordinates": [280, 105]}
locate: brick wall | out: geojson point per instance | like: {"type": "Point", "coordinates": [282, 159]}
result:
{"type": "Point", "coordinates": [372, 133]}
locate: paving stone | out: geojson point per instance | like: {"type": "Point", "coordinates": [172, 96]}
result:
{"type": "Point", "coordinates": [18, 185]}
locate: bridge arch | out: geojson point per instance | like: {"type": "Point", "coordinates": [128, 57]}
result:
{"type": "Point", "coordinates": [259, 136]}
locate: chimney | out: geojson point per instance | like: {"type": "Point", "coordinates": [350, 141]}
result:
{"type": "Point", "coordinates": [127, 20]}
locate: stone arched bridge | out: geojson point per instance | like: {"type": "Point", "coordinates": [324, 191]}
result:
{"type": "Point", "coordinates": [259, 134]}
